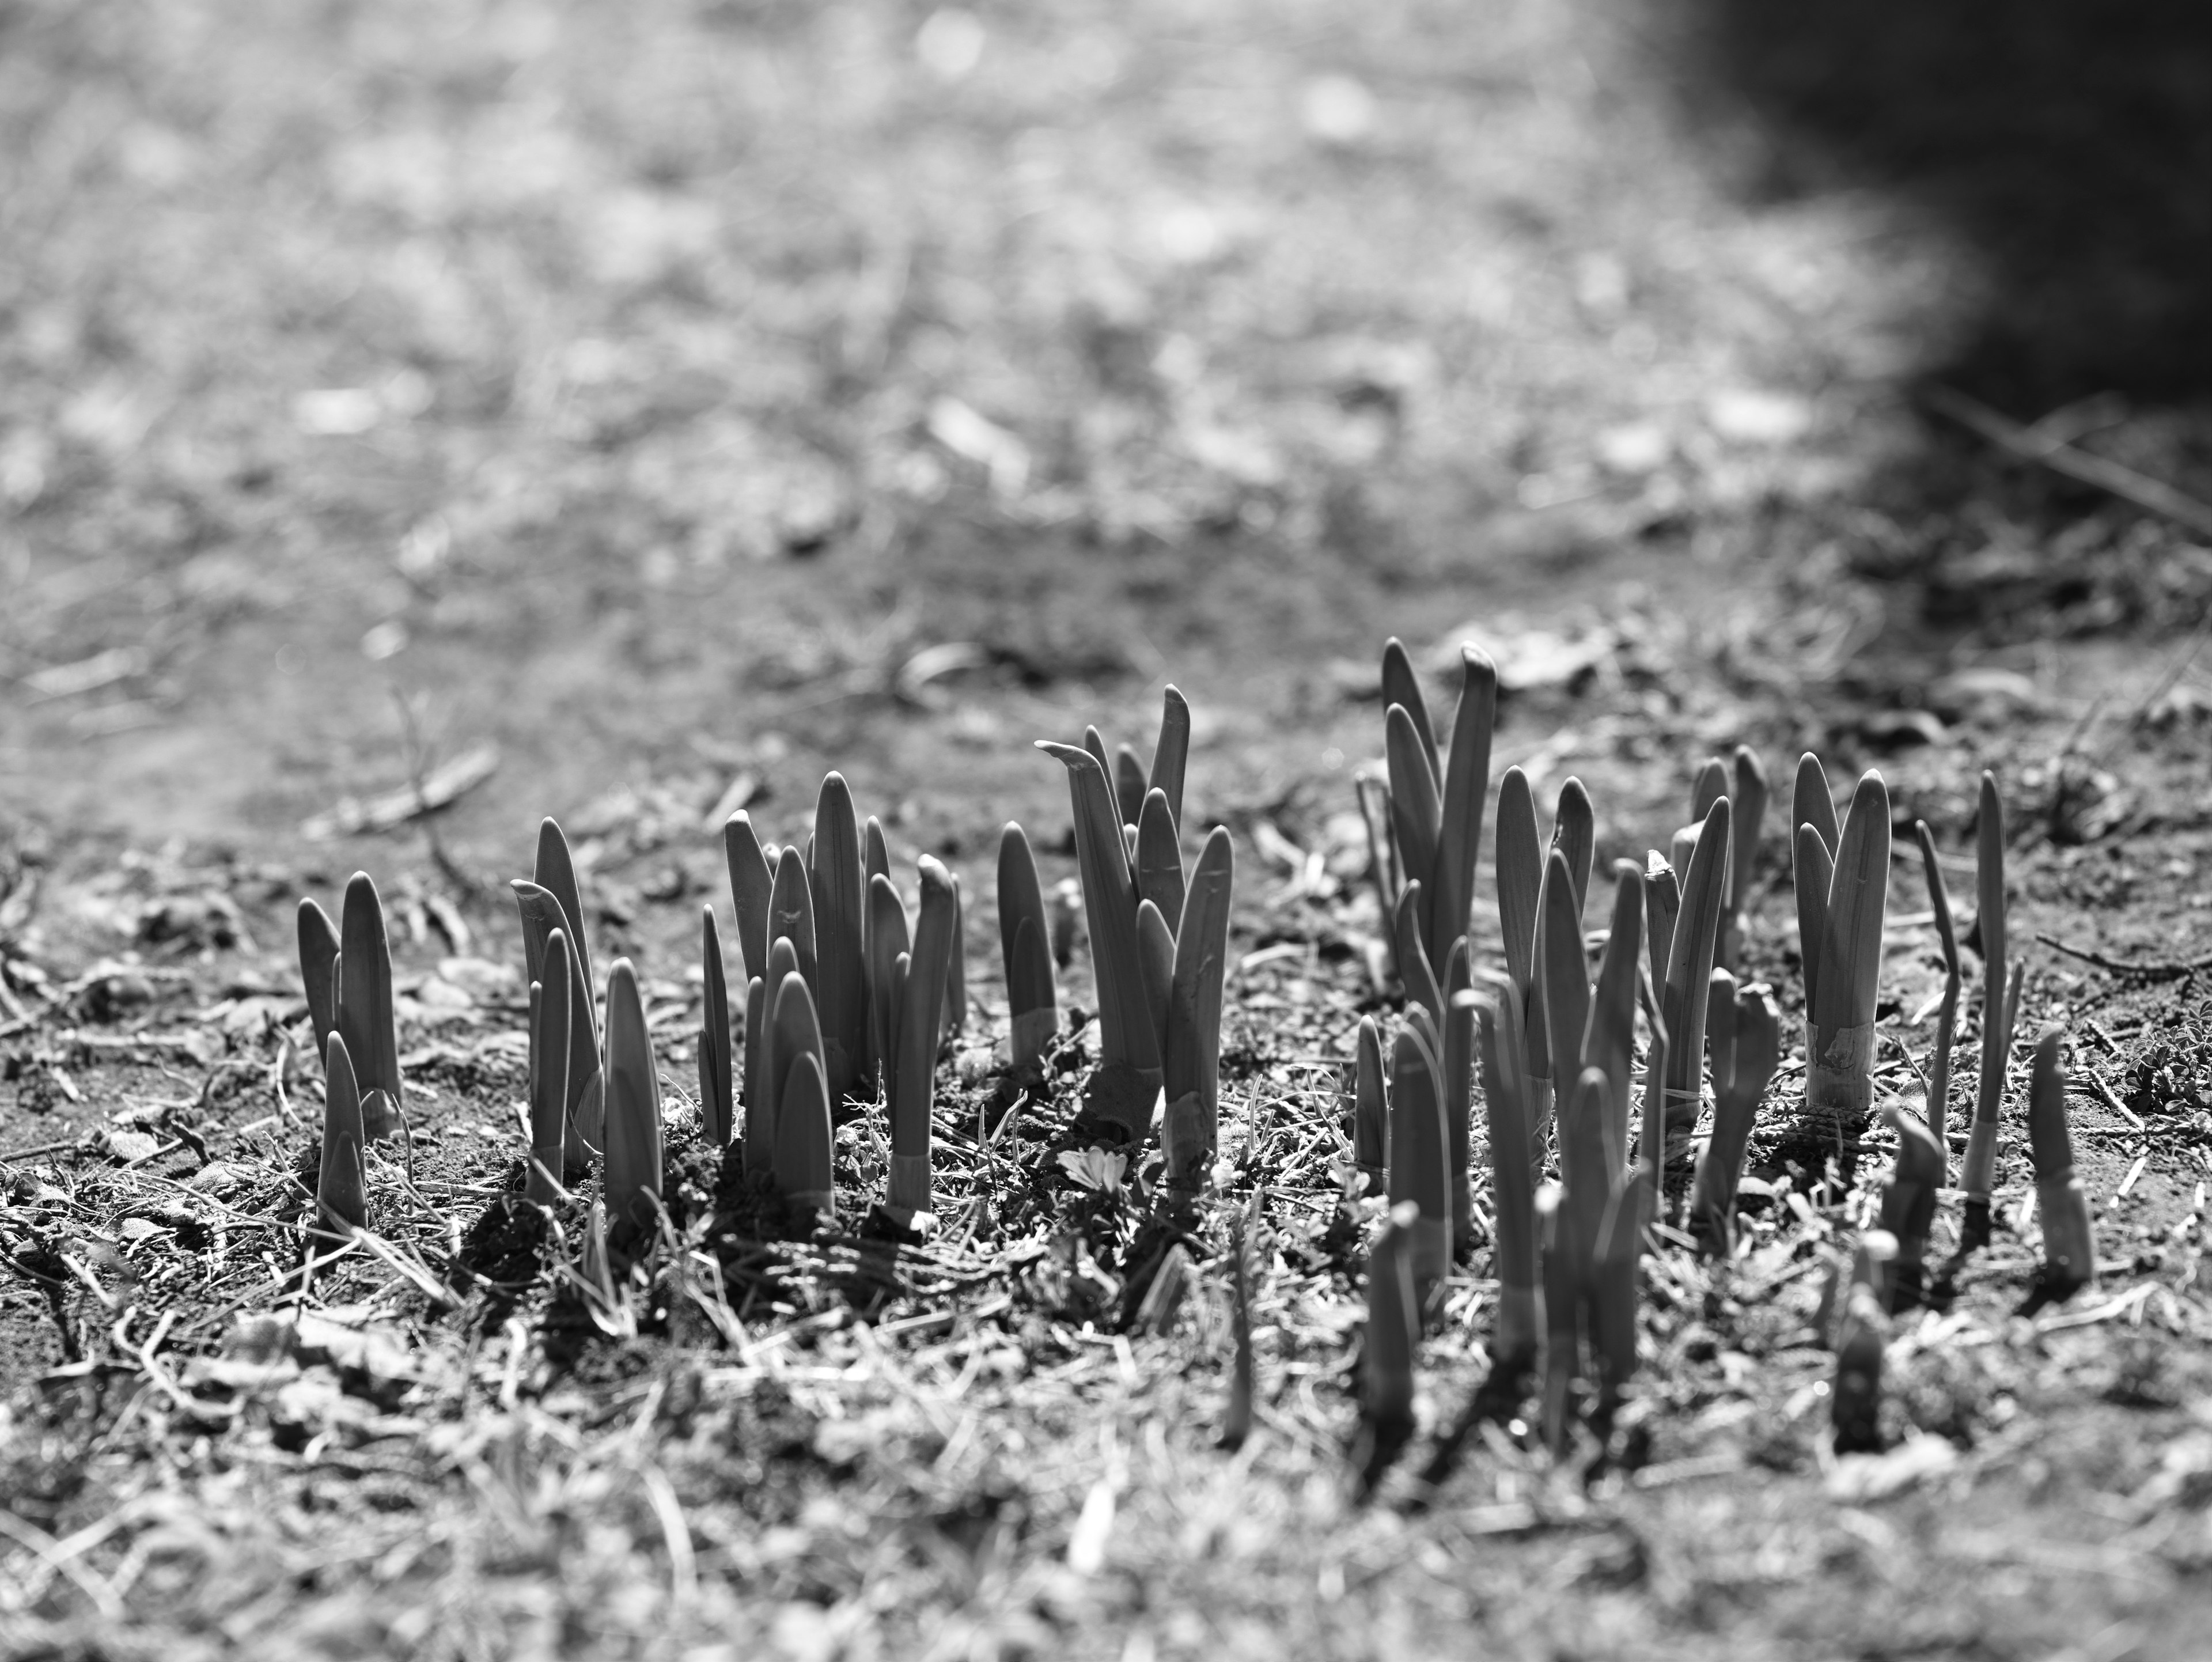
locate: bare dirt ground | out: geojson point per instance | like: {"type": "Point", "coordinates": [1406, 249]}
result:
{"type": "Point", "coordinates": [672, 402]}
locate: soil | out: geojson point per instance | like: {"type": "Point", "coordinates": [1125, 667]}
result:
{"type": "Point", "coordinates": [685, 400]}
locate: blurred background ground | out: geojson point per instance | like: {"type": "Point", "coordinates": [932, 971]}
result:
{"type": "Point", "coordinates": [680, 400]}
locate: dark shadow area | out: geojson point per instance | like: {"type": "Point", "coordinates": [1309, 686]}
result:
{"type": "Point", "coordinates": [2069, 143]}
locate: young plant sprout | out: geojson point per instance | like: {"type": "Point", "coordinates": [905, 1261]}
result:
{"type": "Point", "coordinates": [1394, 1329]}
{"type": "Point", "coordinates": [751, 885]}
{"type": "Point", "coordinates": [1862, 1337]}
{"type": "Point", "coordinates": [1371, 1107]}
{"type": "Point", "coordinates": [633, 1172]}
{"type": "Point", "coordinates": [2070, 1242]}
{"type": "Point", "coordinates": [1842, 888]}
{"type": "Point", "coordinates": [365, 1017]}
{"type": "Point", "coordinates": [318, 971]}
{"type": "Point", "coordinates": [1190, 1039]}
{"type": "Point", "coordinates": [889, 944]}
{"type": "Point", "coordinates": [1024, 941]}
{"type": "Point", "coordinates": [1506, 1095]}
{"type": "Point", "coordinates": [1458, 1091]}
{"type": "Point", "coordinates": [2001, 986]}
{"type": "Point", "coordinates": [551, 1134]}
{"type": "Point", "coordinates": [1524, 880]}
{"type": "Point", "coordinates": [1908, 1200]}
{"type": "Point", "coordinates": [1562, 1353]}
{"type": "Point", "coordinates": [341, 1192]}
{"type": "Point", "coordinates": [1122, 1091]}
{"type": "Point", "coordinates": [1609, 1038]}
{"type": "Point", "coordinates": [1419, 1152]}
{"type": "Point", "coordinates": [716, 1086]}
{"type": "Point", "coordinates": [1434, 807]}
{"type": "Point", "coordinates": [543, 915]}
{"type": "Point", "coordinates": [1691, 946]}
{"type": "Point", "coordinates": [790, 913]}
{"type": "Point", "coordinates": [803, 1141]}
{"type": "Point", "coordinates": [919, 998]}
{"type": "Point", "coordinates": [1745, 1028]}
{"type": "Point", "coordinates": [839, 983]}
{"type": "Point", "coordinates": [1610, 1297]}
{"type": "Point", "coordinates": [1562, 972]}
{"type": "Point", "coordinates": [1747, 798]}
{"type": "Point", "coordinates": [956, 972]}
{"type": "Point", "coordinates": [1947, 1020]}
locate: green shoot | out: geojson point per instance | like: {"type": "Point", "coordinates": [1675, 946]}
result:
{"type": "Point", "coordinates": [1032, 999]}
{"type": "Point", "coordinates": [1520, 876]}
{"type": "Point", "coordinates": [1689, 966]}
{"type": "Point", "coordinates": [1562, 973]}
{"type": "Point", "coordinates": [1574, 834]}
{"type": "Point", "coordinates": [839, 977]}
{"type": "Point", "coordinates": [1171, 752]}
{"type": "Point", "coordinates": [1450, 884]}
{"type": "Point", "coordinates": [921, 999]}
{"type": "Point", "coordinates": [1458, 1091]}
{"type": "Point", "coordinates": [1419, 1154]}
{"type": "Point", "coordinates": [1421, 988]}
{"type": "Point", "coordinates": [1159, 874]}
{"type": "Point", "coordinates": [888, 942]}
{"type": "Point", "coordinates": [1394, 1329]}
{"type": "Point", "coordinates": [714, 1070]}
{"type": "Point", "coordinates": [555, 872]}
{"type": "Point", "coordinates": [341, 1192]}
{"type": "Point", "coordinates": [1371, 1107]}
{"type": "Point", "coordinates": [541, 919]}
{"type": "Point", "coordinates": [1129, 787]}
{"type": "Point", "coordinates": [1402, 687]}
{"type": "Point", "coordinates": [956, 972]}
{"type": "Point", "coordinates": [1662, 904]}
{"type": "Point", "coordinates": [1946, 1021]}
{"type": "Point", "coordinates": [1861, 1340]}
{"type": "Point", "coordinates": [1839, 1057]}
{"type": "Point", "coordinates": [1155, 952]}
{"type": "Point", "coordinates": [760, 1124]}
{"type": "Point", "coordinates": [1747, 1046]}
{"type": "Point", "coordinates": [633, 1170]}
{"type": "Point", "coordinates": [1611, 1293]}
{"type": "Point", "coordinates": [1122, 1091]}
{"type": "Point", "coordinates": [1191, 1042]}
{"type": "Point", "coordinates": [794, 1021]}
{"type": "Point", "coordinates": [752, 885]}
{"type": "Point", "coordinates": [1562, 1359]}
{"type": "Point", "coordinates": [365, 1015]}
{"type": "Point", "coordinates": [551, 1134]}
{"type": "Point", "coordinates": [1908, 1199]}
{"type": "Point", "coordinates": [1999, 999]}
{"type": "Point", "coordinates": [1749, 816]}
{"type": "Point", "coordinates": [791, 912]}
{"type": "Point", "coordinates": [1651, 1136]}
{"type": "Point", "coordinates": [802, 1140]}
{"type": "Point", "coordinates": [2070, 1242]}
{"type": "Point", "coordinates": [1609, 1036]}
{"type": "Point", "coordinates": [1506, 1095]}
{"type": "Point", "coordinates": [318, 971]}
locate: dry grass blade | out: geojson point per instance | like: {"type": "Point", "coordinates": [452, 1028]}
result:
{"type": "Point", "coordinates": [341, 1190]}
{"type": "Point", "coordinates": [1466, 783]}
{"type": "Point", "coordinates": [634, 1148]}
{"type": "Point", "coordinates": [1109, 904]}
{"type": "Point", "coordinates": [1690, 964]}
{"type": "Point", "coordinates": [551, 1152]}
{"type": "Point", "coordinates": [840, 986]}
{"type": "Point", "coordinates": [1159, 874]}
{"type": "Point", "coordinates": [366, 1017]}
{"type": "Point", "coordinates": [1562, 968]}
{"type": "Point", "coordinates": [318, 971]}
{"type": "Point", "coordinates": [751, 885]}
{"type": "Point", "coordinates": [1171, 752]}
{"type": "Point", "coordinates": [1191, 1063]}
{"type": "Point", "coordinates": [714, 1069]}
{"type": "Point", "coordinates": [1520, 875]}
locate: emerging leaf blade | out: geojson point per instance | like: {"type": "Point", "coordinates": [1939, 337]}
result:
{"type": "Point", "coordinates": [634, 1149]}
{"type": "Point", "coordinates": [1520, 875]}
{"type": "Point", "coordinates": [366, 1017]}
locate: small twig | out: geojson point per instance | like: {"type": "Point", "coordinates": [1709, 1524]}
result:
{"type": "Point", "coordinates": [2153, 495]}
{"type": "Point", "coordinates": [2149, 969]}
